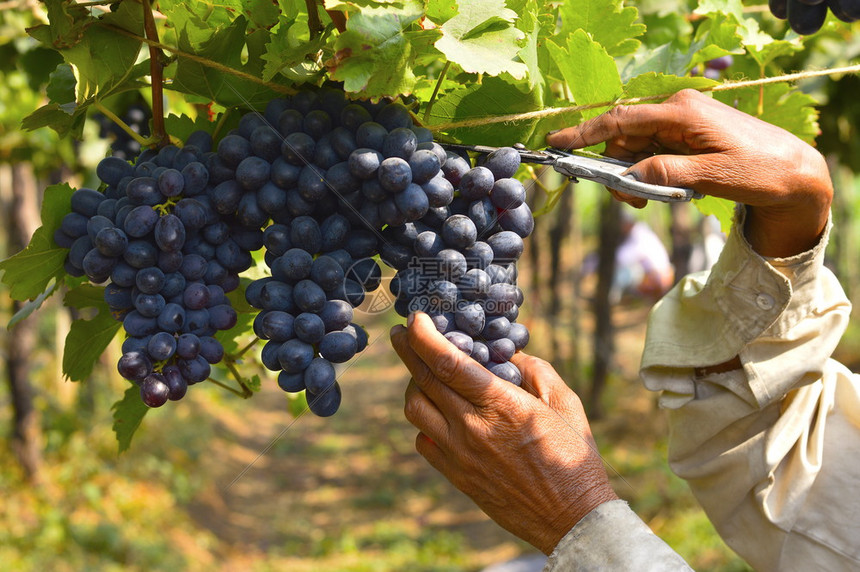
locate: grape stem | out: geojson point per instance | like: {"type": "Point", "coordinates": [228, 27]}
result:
{"type": "Point", "coordinates": [436, 90]}
{"type": "Point", "coordinates": [230, 364]}
{"type": "Point", "coordinates": [315, 26]}
{"type": "Point", "coordinates": [250, 345]}
{"type": "Point", "coordinates": [156, 72]}
{"type": "Point", "coordinates": [228, 388]}
{"type": "Point", "coordinates": [143, 141]}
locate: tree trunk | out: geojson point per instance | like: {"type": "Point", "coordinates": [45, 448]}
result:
{"type": "Point", "coordinates": [604, 333]}
{"type": "Point", "coordinates": [22, 221]}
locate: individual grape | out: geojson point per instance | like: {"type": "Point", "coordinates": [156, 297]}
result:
{"type": "Point", "coordinates": [507, 194]}
{"type": "Point", "coordinates": [194, 370]}
{"type": "Point", "coordinates": [394, 115]}
{"type": "Point", "coordinates": [460, 339]}
{"type": "Point", "coordinates": [428, 244]}
{"type": "Point", "coordinates": [394, 174]}
{"type": "Point", "coordinates": [326, 272]}
{"type": "Point", "coordinates": [360, 335]}
{"type": "Point", "coordinates": [294, 265]}
{"type": "Point", "coordinates": [389, 214]}
{"type": "Point", "coordinates": [111, 242]}
{"type": "Point", "coordinates": [501, 349]}
{"type": "Point", "coordinates": [454, 168]}
{"type": "Point", "coordinates": [112, 170]}
{"type": "Point", "coordinates": [295, 355]}
{"type": "Point", "coordinates": [278, 326]}
{"type": "Point", "coordinates": [443, 295]}
{"type": "Point", "coordinates": [298, 148]}
{"type": "Point", "coordinates": [720, 63]}
{"type": "Point", "coordinates": [176, 384]}
{"type": "Point", "coordinates": [169, 233]}
{"type": "Point", "coordinates": [804, 18]}
{"type": "Point", "coordinates": [187, 346]}
{"type": "Point", "coordinates": [265, 143]}
{"type": "Point", "coordinates": [361, 244]}
{"type": "Point", "coordinates": [459, 232]}
{"type": "Point", "coordinates": [171, 319]}
{"type": "Point", "coordinates": [480, 352]}
{"type": "Point", "coordinates": [334, 231]}
{"type": "Point", "coordinates": [154, 390]}
{"type": "Point", "coordinates": [336, 315]}
{"type": "Point", "coordinates": [192, 213]}
{"type": "Point", "coordinates": [252, 173]}
{"type": "Point", "coordinates": [340, 180]}
{"type": "Point", "coordinates": [496, 327]}
{"type": "Point", "coordinates": [363, 162]}
{"type": "Point", "coordinates": [424, 164]}
{"type": "Point", "coordinates": [845, 10]}
{"type": "Point", "coordinates": [149, 280]}
{"type": "Point", "coordinates": [171, 183]}
{"type": "Point", "coordinates": [451, 264]}
{"type": "Point", "coordinates": [86, 202]}
{"type": "Point", "coordinates": [141, 220]}
{"type": "Point", "coordinates": [291, 382]}
{"type": "Point", "coordinates": [134, 366]}
{"type": "Point", "coordinates": [325, 404]}
{"type": "Point", "coordinates": [366, 272]}
{"type": "Point", "coordinates": [507, 245]}
{"type": "Point", "coordinates": [144, 191]}
{"type": "Point", "coordinates": [233, 149]}
{"type": "Point", "coordinates": [308, 296]}
{"type": "Point", "coordinates": [519, 334]}
{"type": "Point", "coordinates": [476, 183]}
{"type": "Point", "coordinates": [161, 346]}
{"type": "Point", "coordinates": [506, 371]}
{"type": "Point", "coordinates": [211, 350]}
{"type": "Point", "coordinates": [149, 305]}
{"type": "Point", "coordinates": [518, 220]}
{"type": "Point", "coordinates": [370, 135]}
{"type": "Point", "coordinates": [439, 191]}
{"type": "Point", "coordinates": [195, 177]}
{"type": "Point", "coordinates": [474, 285]}
{"type": "Point", "coordinates": [503, 162]}
{"type": "Point", "coordinates": [305, 234]}
{"type": "Point", "coordinates": [338, 347]}
{"type": "Point", "coordinates": [470, 318]}
{"type": "Point", "coordinates": [443, 321]}
{"type": "Point", "coordinates": [319, 376]}
{"type": "Point", "coordinates": [343, 142]}
{"type": "Point", "coordinates": [276, 295]}
{"type": "Point", "coordinates": [484, 214]}
{"type": "Point", "coordinates": [395, 255]}
{"type": "Point", "coordinates": [309, 327]}
{"type": "Point", "coordinates": [222, 317]}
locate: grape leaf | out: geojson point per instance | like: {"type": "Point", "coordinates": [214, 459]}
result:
{"type": "Point", "coordinates": [127, 415]}
{"type": "Point", "coordinates": [781, 105]}
{"type": "Point", "coordinates": [288, 47]}
{"type": "Point", "coordinates": [375, 52]}
{"type": "Point", "coordinates": [493, 97]}
{"type": "Point", "coordinates": [181, 126]}
{"type": "Point", "coordinates": [723, 209]}
{"type": "Point", "coordinates": [61, 85]}
{"type": "Point", "coordinates": [651, 83]}
{"type": "Point", "coordinates": [68, 23]}
{"type": "Point", "coordinates": [610, 24]}
{"type": "Point", "coordinates": [481, 38]}
{"type": "Point", "coordinates": [589, 71]}
{"type": "Point", "coordinates": [58, 118]}
{"type": "Point", "coordinates": [29, 272]}
{"type": "Point", "coordinates": [440, 11]}
{"type": "Point", "coordinates": [87, 339]}
{"type": "Point", "coordinates": [225, 47]}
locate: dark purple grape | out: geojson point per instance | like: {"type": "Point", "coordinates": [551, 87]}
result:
{"type": "Point", "coordinates": [169, 233]}
{"type": "Point", "coordinates": [149, 280]}
{"type": "Point", "coordinates": [412, 202]}
{"type": "Point", "coordinates": [161, 346]}
{"type": "Point", "coordinates": [338, 347]}
{"type": "Point", "coordinates": [476, 184]}
{"type": "Point", "coordinates": [806, 19]}
{"type": "Point", "coordinates": [194, 370]}
{"type": "Point", "coordinates": [507, 245]}
{"type": "Point", "coordinates": [187, 346]}
{"type": "Point", "coordinates": [439, 191]}
{"type": "Point", "coordinates": [462, 340]}
{"type": "Point", "coordinates": [470, 318]}
{"type": "Point", "coordinates": [86, 202]}
{"type": "Point", "coordinates": [295, 355]}
{"type": "Point", "coordinates": [519, 334]}
{"type": "Point", "coordinates": [325, 404]}
{"type": "Point", "coordinates": [233, 149]}
{"type": "Point", "coordinates": [370, 135]}
{"type": "Point", "coordinates": [298, 148]}
{"type": "Point", "coordinates": [424, 164]}
{"type": "Point", "coordinates": [480, 352]}
{"type": "Point", "coordinates": [276, 326]}
{"type": "Point", "coordinates": [721, 62]}
{"type": "Point", "coordinates": [336, 315]}
{"type": "Point", "coordinates": [503, 162]}
{"type": "Point", "coordinates": [319, 376]}
{"type": "Point", "coordinates": [176, 384]}
{"type": "Point", "coordinates": [291, 382]}
{"type": "Point", "coordinates": [506, 371]}
{"type": "Point", "coordinates": [211, 350]}
{"type": "Point", "coordinates": [308, 296]}
{"type": "Point", "coordinates": [507, 194]}
{"type": "Point", "coordinates": [154, 390]}
{"type": "Point", "coordinates": [141, 220]}
{"type": "Point", "coordinates": [134, 366]}
{"type": "Point", "coordinates": [363, 162]}
{"type": "Point", "coordinates": [394, 174]}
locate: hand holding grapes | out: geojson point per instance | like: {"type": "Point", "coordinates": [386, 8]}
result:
{"type": "Point", "coordinates": [718, 150]}
{"type": "Point", "coordinates": [525, 455]}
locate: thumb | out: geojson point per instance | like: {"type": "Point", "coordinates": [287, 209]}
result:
{"type": "Point", "coordinates": [690, 171]}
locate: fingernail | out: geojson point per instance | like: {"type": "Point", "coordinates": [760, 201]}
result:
{"type": "Point", "coordinates": [410, 318]}
{"type": "Point", "coordinates": [554, 131]}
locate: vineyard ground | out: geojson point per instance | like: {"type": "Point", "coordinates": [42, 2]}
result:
{"type": "Point", "coordinates": [221, 484]}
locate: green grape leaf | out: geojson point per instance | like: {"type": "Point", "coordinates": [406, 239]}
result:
{"type": "Point", "coordinates": [610, 25]}
{"type": "Point", "coordinates": [68, 23]}
{"type": "Point", "coordinates": [87, 338]}
{"type": "Point", "coordinates": [375, 52]}
{"type": "Point", "coordinates": [225, 47]}
{"type": "Point", "coordinates": [38, 63]}
{"type": "Point", "coordinates": [127, 416]}
{"type": "Point", "coordinates": [289, 47]}
{"type": "Point", "coordinates": [57, 118]}
{"type": "Point", "coordinates": [31, 306]}
{"type": "Point", "coordinates": [491, 98]}
{"type": "Point", "coordinates": [61, 85]}
{"type": "Point", "coordinates": [723, 209]}
{"type": "Point", "coordinates": [440, 11]}
{"type": "Point", "coordinates": [255, 384]}
{"type": "Point", "coordinates": [590, 72]}
{"type": "Point", "coordinates": [29, 272]}
{"type": "Point", "coordinates": [781, 105]}
{"type": "Point", "coordinates": [665, 59]}
{"type": "Point", "coordinates": [651, 83]}
{"type": "Point", "coordinates": [482, 38]}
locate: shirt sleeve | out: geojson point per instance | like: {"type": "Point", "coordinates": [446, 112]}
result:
{"type": "Point", "coordinates": [771, 450]}
{"type": "Point", "coordinates": [612, 537]}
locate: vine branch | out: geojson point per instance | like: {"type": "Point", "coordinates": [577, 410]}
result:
{"type": "Point", "coordinates": [156, 71]}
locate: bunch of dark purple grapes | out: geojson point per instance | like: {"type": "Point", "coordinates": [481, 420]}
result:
{"type": "Point", "coordinates": [714, 68]}
{"type": "Point", "coordinates": [807, 16]}
{"type": "Point", "coordinates": [168, 250]}
{"type": "Point", "coordinates": [458, 262]}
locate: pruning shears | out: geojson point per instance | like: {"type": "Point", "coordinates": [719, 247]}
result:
{"type": "Point", "coordinates": [592, 167]}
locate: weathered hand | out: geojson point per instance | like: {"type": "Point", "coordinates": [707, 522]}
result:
{"type": "Point", "coordinates": [718, 150]}
{"type": "Point", "coordinates": [525, 455]}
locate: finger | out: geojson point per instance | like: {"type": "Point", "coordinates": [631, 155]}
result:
{"type": "Point", "coordinates": [633, 201]}
{"type": "Point", "coordinates": [443, 397]}
{"type": "Point", "coordinates": [451, 366]}
{"type": "Point", "coordinates": [704, 173]}
{"type": "Point", "coordinates": [434, 454]}
{"type": "Point", "coordinates": [645, 120]}
{"type": "Point", "coordinates": [540, 378]}
{"type": "Point", "coordinates": [424, 415]}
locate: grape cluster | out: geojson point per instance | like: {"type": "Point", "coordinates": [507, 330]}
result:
{"type": "Point", "coordinates": [807, 16]}
{"type": "Point", "coordinates": [324, 185]}
{"type": "Point", "coordinates": [168, 250]}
